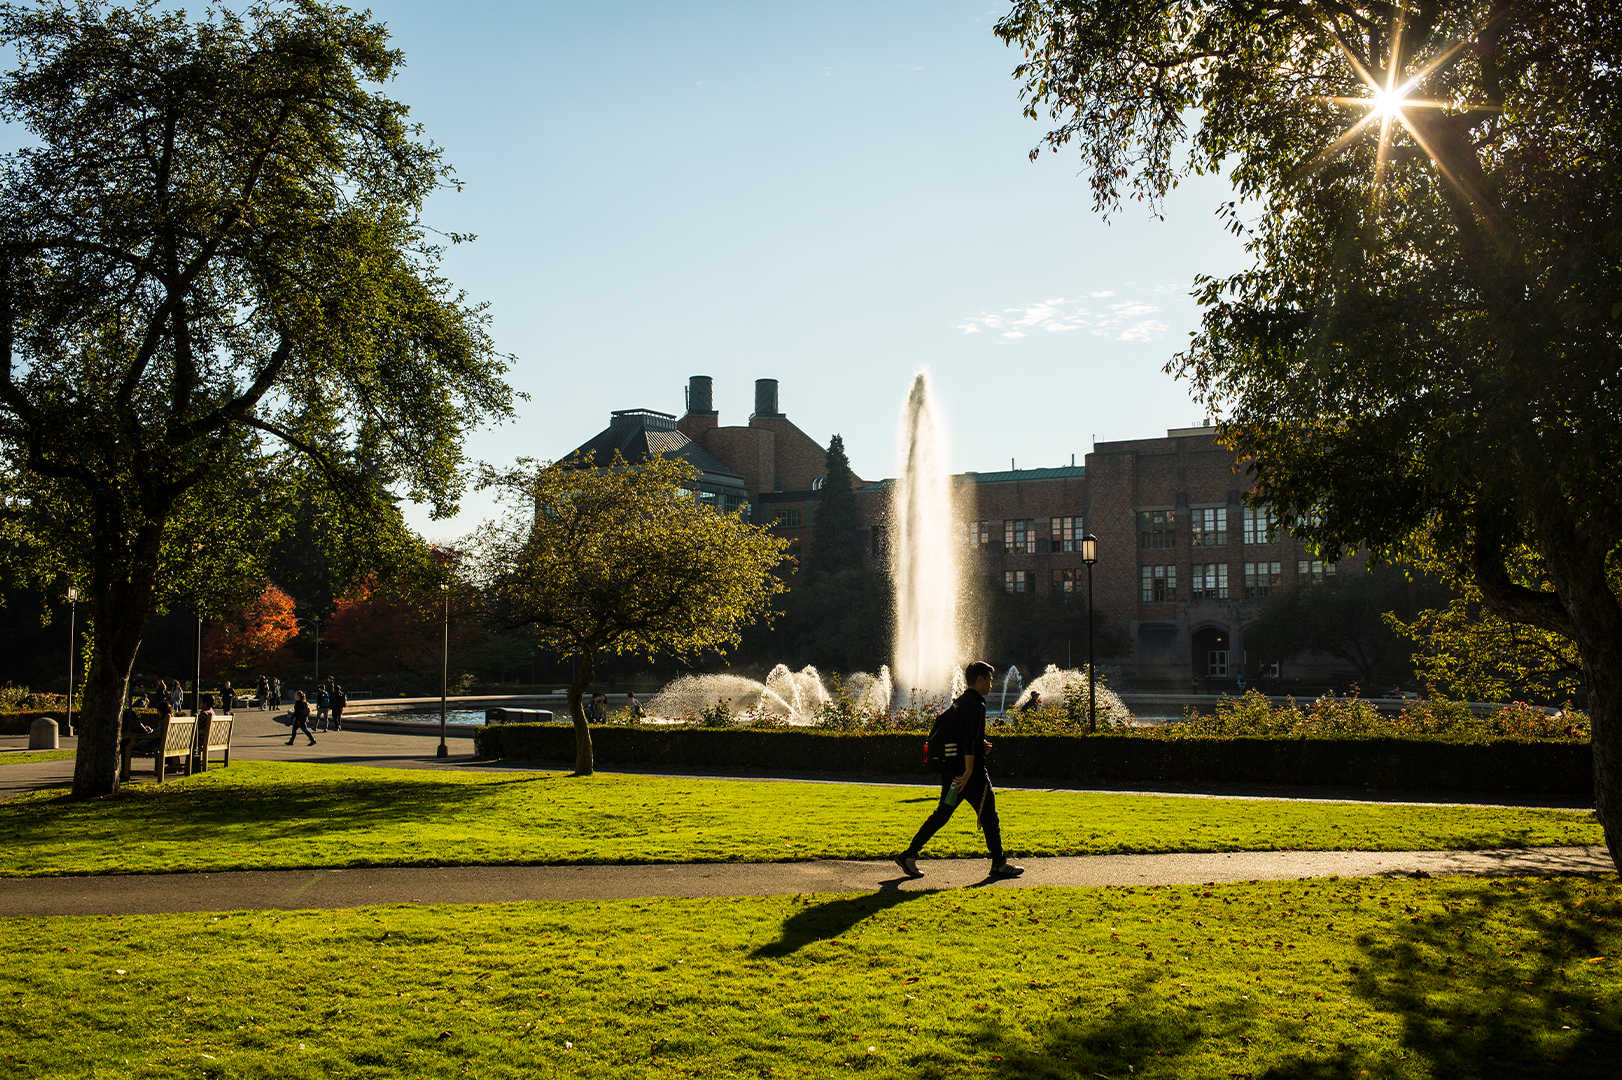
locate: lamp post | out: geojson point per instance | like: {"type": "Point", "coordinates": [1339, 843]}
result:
{"type": "Point", "coordinates": [317, 621]}
{"type": "Point", "coordinates": [1089, 555]}
{"type": "Point", "coordinates": [73, 611]}
{"type": "Point", "coordinates": [444, 668]}
{"type": "Point", "coordinates": [197, 683]}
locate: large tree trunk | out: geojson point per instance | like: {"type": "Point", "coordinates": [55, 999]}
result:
{"type": "Point", "coordinates": [584, 763]}
{"type": "Point", "coordinates": [124, 581]}
{"type": "Point", "coordinates": [1578, 575]}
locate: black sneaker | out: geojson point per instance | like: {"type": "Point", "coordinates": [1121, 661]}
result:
{"type": "Point", "coordinates": [909, 865]}
{"type": "Point", "coordinates": [1006, 870]}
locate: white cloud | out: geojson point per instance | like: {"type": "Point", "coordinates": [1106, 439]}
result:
{"type": "Point", "coordinates": [1123, 321]}
{"type": "Point", "coordinates": [1106, 292]}
{"type": "Point", "coordinates": [1149, 330]}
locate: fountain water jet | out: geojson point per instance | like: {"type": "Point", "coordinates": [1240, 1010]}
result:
{"type": "Point", "coordinates": [927, 542]}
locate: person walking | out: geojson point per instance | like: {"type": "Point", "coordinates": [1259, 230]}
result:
{"type": "Point", "coordinates": [275, 692]}
{"type": "Point", "coordinates": [264, 693]}
{"type": "Point", "coordinates": [177, 696]}
{"type": "Point", "coordinates": [323, 702]}
{"type": "Point", "coordinates": [339, 700]}
{"type": "Point", "coordinates": [633, 706]}
{"type": "Point", "coordinates": [598, 710]}
{"type": "Point", "coordinates": [965, 778]}
{"type": "Point", "coordinates": [228, 697]}
{"type": "Point", "coordinates": [301, 719]}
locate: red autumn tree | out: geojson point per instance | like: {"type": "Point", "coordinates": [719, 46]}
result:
{"type": "Point", "coordinates": [243, 642]}
{"type": "Point", "coordinates": [379, 629]}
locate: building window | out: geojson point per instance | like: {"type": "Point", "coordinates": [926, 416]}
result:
{"type": "Point", "coordinates": [1314, 570]}
{"type": "Point", "coordinates": [1208, 528]}
{"type": "Point", "coordinates": [1210, 582]}
{"type": "Point", "coordinates": [731, 503]}
{"type": "Point", "coordinates": [1216, 663]}
{"type": "Point", "coordinates": [1019, 581]}
{"type": "Point", "coordinates": [1019, 536]}
{"type": "Point", "coordinates": [1159, 584]}
{"type": "Point", "coordinates": [788, 519]}
{"type": "Point", "coordinates": [1065, 533]}
{"type": "Point", "coordinates": [1157, 529]}
{"type": "Point", "coordinates": [979, 535]}
{"type": "Point", "coordinates": [1261, 525]}
{"type": "Point", "coordinates": [1069, 581]}
{"type": "Point", "coordinates": [1261, 578]}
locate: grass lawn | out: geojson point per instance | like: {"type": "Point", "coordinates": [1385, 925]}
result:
{"type": "Point", "coordinates": [258, 815]}
{"type": "Point", "coordinates": [1444, 978]}
{"type": "Point", "coordinates": [29, 757]}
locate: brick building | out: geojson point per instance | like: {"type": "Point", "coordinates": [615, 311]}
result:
{"type": "Point", "coordinates": [1182, 562]}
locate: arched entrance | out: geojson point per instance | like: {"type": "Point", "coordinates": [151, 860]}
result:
{"type": "Point", "coordinates": [1213, 657]}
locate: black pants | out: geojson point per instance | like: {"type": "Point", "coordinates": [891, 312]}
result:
{"type": "Point", "coordinates": [300, 722]}
{"type": "Point", "coordinates": [978, 794]}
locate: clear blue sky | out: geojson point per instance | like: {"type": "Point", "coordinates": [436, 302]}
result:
{"type": "Point", "coordinates": [830, 194]}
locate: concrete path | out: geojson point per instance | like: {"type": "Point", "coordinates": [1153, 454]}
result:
{"type": "Point", "coordinates": [305, 889]}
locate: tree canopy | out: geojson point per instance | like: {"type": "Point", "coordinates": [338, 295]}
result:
{"type": "Point", "coordinates": [1427, 341]}
{"type": "Point", "coordinates": [212, 263]}
{"type": "Point", "coordinates": [621, 559]}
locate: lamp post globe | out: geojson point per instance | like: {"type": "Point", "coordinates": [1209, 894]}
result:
{"type": "Point", "coordinates": [1089, 555]}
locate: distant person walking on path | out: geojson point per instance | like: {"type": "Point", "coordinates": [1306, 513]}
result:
{"type": "Point", "coordinates": [634, 707]}
{"type": "Point", "coordinates": [264, 693]}
{"type": "Point", "coordinates": [177, 696]}
{"type": "Point", "coordinates": [301, 719]}
{"type": "Point", "coordinates": [228, 697]}
{"type": "Point", "coordinates": [339, 700]}
{"type": "Point", "coordinates": [323, 702]}
{"type": "Point", "coordinates": [964, 778]}
{"type": "Point", "coordinates": [275, 692]}
{"type": "Point", "coordinates": [598, 709]}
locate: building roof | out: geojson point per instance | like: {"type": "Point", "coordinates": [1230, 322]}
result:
{"type": "Point", "coordinates": [1007, 476]}
{"type": "Point", "coordinates": [637, 434]}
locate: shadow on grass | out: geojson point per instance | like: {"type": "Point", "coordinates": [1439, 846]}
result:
{"type": "Point", "coordinates": [258, 811]}
{"type": "Point", "coordinates": [830, 920]}
{"type": "Point", "coordinates": [1514, 999]}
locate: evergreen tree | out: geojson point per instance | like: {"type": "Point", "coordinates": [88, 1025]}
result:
{"type": "Point", "coordinates": [835, 543]}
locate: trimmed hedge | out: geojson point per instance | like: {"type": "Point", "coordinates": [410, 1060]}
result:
{"type": "Point", "coordinates": [18, 723]}
{"type": "Point", "coordinates": [1523, 767]}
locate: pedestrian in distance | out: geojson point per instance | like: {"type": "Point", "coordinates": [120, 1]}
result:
{"type": "Point", "coordinates": [964, 776]}
{"type": "Point", "coordinates": [275, 692]}
{"type": "Point", "coordinates": [633, 706]}
{"type": "Point", "coordinates": [339, 700]}
{"type": "Point", "coordinates": [323, 702]}
{"type": "Point", "coordinates": [177, 695]}
{"type": "Point", "coordinates": [301, 719]}
{"type": "Point", "coordinates": [228, 697]}
{"type": "Point", "coordinates": [597, 711]}
{"type": "Point", "coordinates": [264, 693]}
{"type": "Point", "coordinates": [1034, 703]}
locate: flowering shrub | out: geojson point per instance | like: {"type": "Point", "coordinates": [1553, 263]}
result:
{"type": "Point", "coordinates": [1334, 717]}
{"type": "Point", "coordinates": [718, 715]}
{"type": "Point", "coordinates": [22, 699]}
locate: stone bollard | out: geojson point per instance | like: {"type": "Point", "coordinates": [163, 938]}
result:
{"type": "Point", "coordinates": [42, 734]}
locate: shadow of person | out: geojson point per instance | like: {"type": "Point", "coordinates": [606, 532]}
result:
{"type": "Point", "coordinates": [828, 920]}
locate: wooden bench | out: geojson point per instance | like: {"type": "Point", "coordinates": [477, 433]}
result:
{"type": "Point", "coordinates": [176, 740]}
{"type": "Point", "coordinates": [217, 737]}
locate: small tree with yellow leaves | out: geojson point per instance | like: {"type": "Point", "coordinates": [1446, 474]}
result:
{"type": "Point", "coordinates": [621, 559]}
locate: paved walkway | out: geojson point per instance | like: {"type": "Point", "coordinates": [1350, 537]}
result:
{"type": "Point", "coordinates": [147, 894]}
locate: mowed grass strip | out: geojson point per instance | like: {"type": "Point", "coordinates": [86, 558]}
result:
{"type": "Point", "coordinates": [1327, 978]}
{"type": "Point", "coordinates": [263, 815]}
{"type": "Point", "coordinates": [31, 757]}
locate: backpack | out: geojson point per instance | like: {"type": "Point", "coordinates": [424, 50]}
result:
{"type": "Point", "coordinates": [941, 750]}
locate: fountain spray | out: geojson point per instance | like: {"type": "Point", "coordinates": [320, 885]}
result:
{"type": "Point", "coordinates": [928, 540]}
